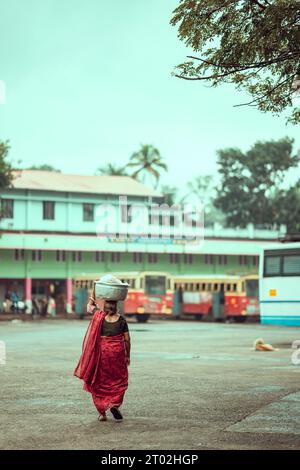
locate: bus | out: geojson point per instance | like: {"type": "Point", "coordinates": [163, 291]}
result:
{"type": "Point", "coordinates": [148, 293]}
{"type": "Point", "coordinates": [200, 295]}
{"type": "Point", "coordinates": [279, 270]}
{"type": "Point", "coordinates": [151, 293]}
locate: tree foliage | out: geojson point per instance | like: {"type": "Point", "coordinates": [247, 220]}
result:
{"type": "Point", "coordinates": [254, 44]}
{"type": "Point", "coordinates": [170, 194]}
{"type": "Point", "coordinates": [112, 169]}
{"type": "Point", "coordinates": [6, 170]}
{"type": "Point", "coordinates": [253, 187]}
{"type": "Point", "coordinates": [147, 161]}
{"type": "Point", "coordinates": [44, 167]}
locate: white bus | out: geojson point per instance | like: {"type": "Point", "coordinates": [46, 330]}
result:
{"type": "Point", "coordinates": [279, 284]}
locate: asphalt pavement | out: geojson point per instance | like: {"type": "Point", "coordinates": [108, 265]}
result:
{"type": "Point", "coordinates": [192, 386]}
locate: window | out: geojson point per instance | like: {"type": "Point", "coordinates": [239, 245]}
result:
{"type": "Point", "coordinates": [209, 259]}
{"type": "Point", "coordinates": [7, 208]}
{"type": "Point", "coordinates": [188, 259]}
{"type": "Point", "coordinates": [115, 257]}
{"type": "Point", "coordinates": [88, 212]}
{"type": "Point", "coordinates": [126, 215]}
{"type": "Point", "coordinates": [243, 260]}
{"type": "Point", "coordinates": [255, 260]}
{"type": "Point", "coordinates": [19, 255]}
{"type": "Point", "coordinates": [137, 257]}
{"type": "Point", "coordinates": [100, 257]}
{"type": "Point", "coordinates": [77, 256]}
{"type": "Point", "coordinates": [152, 257]}
{"type": "Point", "coordinates": [36, 255]}
{"type": "Point", "coordinates": [291, 264]}
{"type": "Point", "coordinates": [272, 265]}
{"type": "Point", "coordinates": [60, 255]}
{"type": "Point", "coordinates": [252, 288]}
{"type": "Point", "coordinates": [222, 259]}
{"type": "Point", "coordinates": [174, 258]}
{"type": "Point", "coordinates": [48, 210]}
{"type": "Point", "coordinates": [155, 285]}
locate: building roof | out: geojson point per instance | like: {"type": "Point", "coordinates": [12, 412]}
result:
{"type": "Point", "coordinates": [55, 181]}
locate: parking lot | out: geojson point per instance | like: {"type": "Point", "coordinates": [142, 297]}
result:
{"type": "Point", "coordinates": [193, 385]}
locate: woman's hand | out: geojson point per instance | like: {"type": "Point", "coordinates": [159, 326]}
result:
{"type": "Point", "coordinates": [91, 305]}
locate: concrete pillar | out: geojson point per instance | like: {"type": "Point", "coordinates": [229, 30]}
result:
{"type": "Point", "coordinates": [69, 296]}
{"type": "Point", "coordinates": [28, 290]}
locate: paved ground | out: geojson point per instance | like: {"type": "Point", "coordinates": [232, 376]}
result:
{"type": "Point", "coordinates": [192, 386]}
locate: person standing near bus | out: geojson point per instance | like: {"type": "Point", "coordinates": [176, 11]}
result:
{"type": "Point", "coordinates": [177, 302]}
{"type": "Point", "coordinates": [103, 365]}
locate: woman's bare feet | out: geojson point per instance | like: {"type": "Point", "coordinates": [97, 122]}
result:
{"type": "Point", "coordinates": [102, 417]}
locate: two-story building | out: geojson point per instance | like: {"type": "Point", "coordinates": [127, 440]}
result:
{"type": "Point", "coordinates": [55, 227]}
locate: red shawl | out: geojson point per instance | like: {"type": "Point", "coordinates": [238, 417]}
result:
{"type": "Point", "coordinates": [89, 361]}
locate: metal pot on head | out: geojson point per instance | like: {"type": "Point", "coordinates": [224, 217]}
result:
{"type": "Point", "coordinates": [109, 287]}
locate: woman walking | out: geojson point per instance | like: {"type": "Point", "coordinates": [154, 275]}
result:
{"type": "Point", "coordinates": [103, 365]}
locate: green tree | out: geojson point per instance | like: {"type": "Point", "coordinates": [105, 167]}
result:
{"type": "Point", "coordinates": [251, 43]}
{"type": "Point", "coordinates": [112, 170]}
{"type": "Point", "coordinates": [253, 183]}
{"type": "Point", "coordinates": [148, 161]}
{"type": "Point", "coordinates": [289, 204]}
{"type": "Point", "coordinates": [43, 167]}
{"type": "Point", "coordinates": [170, 193]}
{"type": "Point", "coordinates": [6, 170]}
{"type": "Point", "coordinates": [202, 190]}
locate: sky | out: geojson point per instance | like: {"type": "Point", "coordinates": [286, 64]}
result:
{"type": "Point", "coordinates": [88, 82]}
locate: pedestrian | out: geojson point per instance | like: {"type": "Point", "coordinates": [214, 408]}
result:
{"type": "Point", "coordinates": [15, 300]}
{"type": "Point", "coordinates": [103, 365]}
{"type": "Point", "coordinates": [177, 302]}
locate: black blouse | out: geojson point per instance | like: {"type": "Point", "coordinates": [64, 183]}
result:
{"type": "Point", "coordinates": [114, 328]}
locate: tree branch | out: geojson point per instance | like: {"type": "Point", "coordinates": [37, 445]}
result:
{"type": "Point", "coordinates": [262, 7]}
{"type": "Point", "coordinates": [286, 56]}
{"type": "Point", "coordinates": [264, 95]}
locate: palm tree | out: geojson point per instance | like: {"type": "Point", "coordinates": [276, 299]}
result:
{"type": "Point", "coordinates": [148, 161]}
{"type": "Point", "coordinates": [112, 169]}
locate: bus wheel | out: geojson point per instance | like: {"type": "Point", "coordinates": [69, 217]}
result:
{"type": "Point", "coordinates": [198, 316]}
{"type": "Point", "coordinates": [239, 319]}
{"type": "Point", "coordinates": [142, 318]}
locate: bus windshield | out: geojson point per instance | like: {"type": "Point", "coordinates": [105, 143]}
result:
{"type": "Point", "coordinates": [155, 285]}
{"type": "Point", "coordinates": [252, 288]}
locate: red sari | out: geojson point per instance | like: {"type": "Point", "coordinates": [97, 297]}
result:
{"type": "Point", "coordinates": [102, 366]}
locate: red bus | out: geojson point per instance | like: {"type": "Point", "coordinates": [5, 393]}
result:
{"type": "Point", "coordinates": [199, 299]}
{"type": "Point", "coordinates": [149, 293]}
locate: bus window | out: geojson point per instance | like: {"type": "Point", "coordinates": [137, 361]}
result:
{"type": "Point", "coordinates": [228, 287]}
{"type": "Point", "coordinates": [216, 287]}
{"type": "Point", "coordinates": [209, 287]}
{"type": "Point", "coordinates": [204, 286]}
{"type": "Point", "coordinates": [291, 265]}
{"type": "Point", "coordinates": [234, 287]}
{"type": "Point", "coordinates": [197, 287]}
{"type": "Point", "coordinates": [272, 266]}
{"type": "Point", "coordinates": [252, 288]}
{"type": "Point", "coordinates": [155, 285]}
